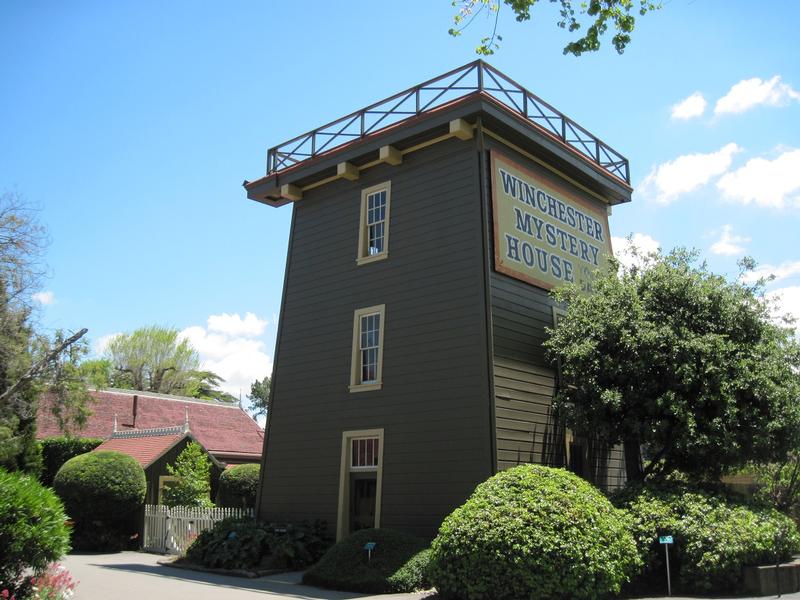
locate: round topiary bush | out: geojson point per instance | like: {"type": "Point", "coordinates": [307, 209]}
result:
{"type": "Point", "coordinates": [101, 486]}
{"type": "Point", "coordinates": [238, 486]}
{"type": "Point", "coordinates": [533, 531]}
{"type": "Point", "coordinates": [399, 563]}
{"type": "Point", "coordinates": [714, 536]}
{"type": "Point", "coordinates": [32, 529]}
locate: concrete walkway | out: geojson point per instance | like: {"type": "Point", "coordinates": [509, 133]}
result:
{"type": "Point", "coordinates": [137, 576]}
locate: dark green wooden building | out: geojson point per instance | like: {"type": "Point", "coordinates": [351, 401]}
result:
{"type": "Point", "coordinates": [426, 232]}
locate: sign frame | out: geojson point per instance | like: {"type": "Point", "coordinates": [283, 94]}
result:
{"type": "Point", "coordinates": [551, 182]}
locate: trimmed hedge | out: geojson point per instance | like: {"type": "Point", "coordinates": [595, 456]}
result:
{"type": "Point", "coordinates": [714, 536]}
{"type": "Point", "coordinates": [103, 485]}
{"type": "Point", "coordinates": [238, 486]}
{"type": "Point", "coordinates": [32, 529]}
{"type": "Point", "coordinates": [399, 563]}
{"type": "Point", "coordinates": [102, 492]}
{"type": "Point", "coordinates": [245, 543]}
{"type": "Point", "coordinates": [58, 450]}
{"type": "Point", "coordinates": [533, 531]}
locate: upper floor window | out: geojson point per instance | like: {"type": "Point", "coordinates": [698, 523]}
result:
{"type": "Point", "coordinates": [373, 236]}
{"type": "Point", "coordinates": [367, 359]}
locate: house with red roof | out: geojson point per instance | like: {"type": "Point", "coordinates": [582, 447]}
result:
{"type": "Point", "coordinates": [225, 430]}
{"type": "Point", "coordinates": [154, 449]}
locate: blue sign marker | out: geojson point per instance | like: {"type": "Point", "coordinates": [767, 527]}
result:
{"type": "Point", "coordinates": [369, 547]}
{"type": "Point", "coordinates": [665, 539]}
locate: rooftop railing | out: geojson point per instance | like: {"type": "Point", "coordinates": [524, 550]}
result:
{"type": "Point", "coordinates": [474, 78]}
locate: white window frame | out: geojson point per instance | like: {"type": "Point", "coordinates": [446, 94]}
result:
{"type": "Point", "coordinates": [343, 513]}
{"type": "Point", "coordinates": [356, 383]}
{"type": "Point", "coordinates": [363, 257]}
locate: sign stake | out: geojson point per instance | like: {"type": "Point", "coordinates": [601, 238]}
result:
{"type": "Point", "coordinates": [667, 540]}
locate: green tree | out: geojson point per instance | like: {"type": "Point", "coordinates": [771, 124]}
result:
{"type": "Point", "coordinates": [259, 397]}
{"type": "Point", "coordinates": [30, 363]}
{"type": "Point", "coordinates": [598, 15]}
{"type": "Point", "coordinates": [97, 372]}
{"type": "Point", "coordinates": [686, 364]}
{"type": "Point", "coordinates": [193, 486]}
{"type": "Point", "coordinates": [156, 359]}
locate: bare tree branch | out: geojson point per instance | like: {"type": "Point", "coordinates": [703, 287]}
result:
{"type": "Point", "coordinates": [38, 366]}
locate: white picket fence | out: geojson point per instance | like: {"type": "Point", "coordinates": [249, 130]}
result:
{"type": "Point", "coordinates": [172, 530]}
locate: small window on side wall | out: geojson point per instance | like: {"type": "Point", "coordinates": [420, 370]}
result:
{"type": "Point", "coordinates": [366, 371]}
{"type": "Point", "coordinates": [373, 233]}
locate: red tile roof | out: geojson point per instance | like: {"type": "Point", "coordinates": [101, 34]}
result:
{"type": "Point", "coordinates": [220, 428]}
{"type": "Point", "coordinates": [145, 449]}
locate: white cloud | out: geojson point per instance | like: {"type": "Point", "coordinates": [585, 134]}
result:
{"type": "Point", "coordinates": [250, 326]}
{"type": "Point", "coordinates": [100, 344]}
{"type": "Point", "coordinates": [230, 347]}
{"type": "Point", "coordinates": [624, 248]}
{"type": "Point", "coordinates": [788, 301]}
{"type": "Point", "coordinates": [765, 182]}
{"type": "Point", "coordinates": [749, 93]}
{"type": "Point", "coordinates": [689, 108]}
{"type": "Point", "coordinates": [669, 180]}
{"type": "Point", "coordinates": [729, 244]}
{"type": "Point", "coordinates": [783, 271]}
{"type": "Point", "coordinates": [45, 298]}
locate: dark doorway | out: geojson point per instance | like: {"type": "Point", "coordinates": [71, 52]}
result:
{"type": "Point", "coordinates": [363, 495]}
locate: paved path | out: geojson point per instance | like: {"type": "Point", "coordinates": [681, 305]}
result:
{"type": "Point", "coordinates": [137, 576]}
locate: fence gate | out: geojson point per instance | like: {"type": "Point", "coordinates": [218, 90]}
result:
{"type": "Point", "coordinates": [173, 529]}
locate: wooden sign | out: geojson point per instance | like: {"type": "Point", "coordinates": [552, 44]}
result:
{"type": "Point", "coordinates": [545, 233]}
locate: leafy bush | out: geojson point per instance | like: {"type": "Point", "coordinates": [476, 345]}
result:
{"type": "Point", "coordinates": [714, 536]}
{"type": "Point", "coordinates": [398, 564]}
{"type": "Point", "coordinates": [193, 486]}
{"type": "Point", "coordinates": [101, 485]}
{"type": "Point", "coordinates": [101, 492]}
{"type": "Point", "coordinates": [32, 529]}
{"type": "Point", "coordinates": [533, 531]}
{"type": "Point", "coordinates": [58, 450]}
{"type": "Point", "coordinates": [244, 543]}
{"type": "Point", "coordinates": [238, 486]}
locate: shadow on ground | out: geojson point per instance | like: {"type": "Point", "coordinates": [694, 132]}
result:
{"type": "Point", "coordinates": [287, 584]}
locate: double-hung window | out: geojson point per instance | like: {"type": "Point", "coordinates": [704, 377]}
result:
{"type": "Point", "coordinates": [367, 358]}
{"type": "Point", "coordinates": [373, 236]}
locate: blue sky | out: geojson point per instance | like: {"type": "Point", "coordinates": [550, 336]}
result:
{"type": "Point", "coordinates": [132, 126]}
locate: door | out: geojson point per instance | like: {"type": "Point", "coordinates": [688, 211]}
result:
{"type": "Point", "coordinates": [363, 497]}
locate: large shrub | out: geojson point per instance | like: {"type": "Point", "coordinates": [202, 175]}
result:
{"type": "Point", "coordinates": [245, 543]}
{"type": "Point", "coordinates": [102, 492]}
{"type": "Point", "coordinates": [714, 536]}
{"type": "Point", "coordinates": [58, 450]}
{"type": "Point", "coordinates": [238, 486]}
{"type": "Point", "coordinates": [32, 529]}
{"type": "Point", "coordinates": [100, 485]}
{"type": "Point", "coordinates": [399, 563]}
{"type": "Point", "coordinates": [533, 531]}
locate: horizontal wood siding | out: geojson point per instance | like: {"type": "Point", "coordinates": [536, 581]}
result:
{"type": "Point", "coordinates": [434, 406]}
{"type": "Point", "coordinates": [524, 381]}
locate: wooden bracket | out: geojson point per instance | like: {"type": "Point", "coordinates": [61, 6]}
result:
{"type": "Point", "coordinates": [347, 171]}
{"type": "Point", "coordinates": [390, 155]}
{"type": "Point", "coordinates": [461, 129]}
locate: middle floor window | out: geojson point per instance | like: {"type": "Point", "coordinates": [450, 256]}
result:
{"type": "Point", "coordinates": [367, 358]}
